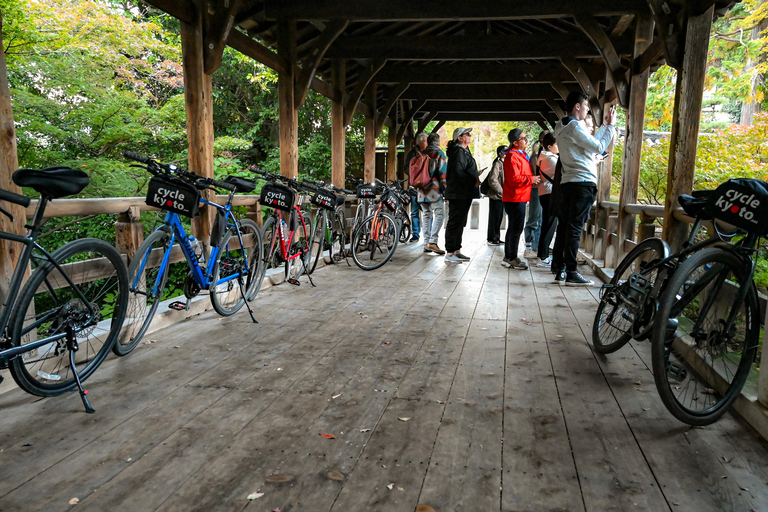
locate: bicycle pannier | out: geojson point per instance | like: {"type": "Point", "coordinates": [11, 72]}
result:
{"type": "Point", "coordinates": [173, 195]}
{"type": "Point", "coordinates": [741, 202]}
{"type": "Point", "coordinates": [390, 200]}
{"type": "Point", "coordinates": [324, 199]}
{"type": "Point", "coordinates": [278, 196]}
{"type": "Point", "coordinates": [366, 191]}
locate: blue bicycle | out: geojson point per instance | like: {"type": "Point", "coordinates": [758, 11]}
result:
{"type": "Point", "coordinates": [232, 273]}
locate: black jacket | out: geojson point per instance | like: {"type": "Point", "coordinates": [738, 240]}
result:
{"type": "Point", "coordinates": [461, 176]}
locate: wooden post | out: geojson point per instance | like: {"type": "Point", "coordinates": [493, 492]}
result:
{"type": "Point", "coordinates": [129, 232]}
{"type": "Point", "coordinates": [392, 151]}
{"type": "Point", "coordinates": [9, 251]}
{"type": "Point", "coordinates": [630, 171]}
{"type": "Point", "coordinates": [602, 214]}
{"type": "Point", "coordinates": [254, 213]}
{"type": "Point", "coordinates": [647, 227]}
{"type": "Point", "coordinates": [289, 120]}
{"type": "Point", "coordinates": [338, 130]}
{"type": "Point", "coordinates": [611, 241]}
{"type": "Point", "coordinates": [199, 110]}
{"type": "Point", "coordinates": [685, 124]}
{"type": "Point", "coordinates": [369, 165]}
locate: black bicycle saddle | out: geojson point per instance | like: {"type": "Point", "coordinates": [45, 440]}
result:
{"type": "Point", "coordinates": [694, 205]}
{"type": "Point", "coordinates": [52, 182]}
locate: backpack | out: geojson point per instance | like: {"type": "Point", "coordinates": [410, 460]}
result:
{"type": "Point", "coordinates": [485, 186]}
{"type": "Point", "coordinates": [418, 170]}
{"type": "Point", "coordinates": [555, 204]}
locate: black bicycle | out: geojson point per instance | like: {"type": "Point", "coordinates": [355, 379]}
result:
{"type": "Point", "coordinates": [71, 308]}
{"type": "Point", "coordinates": [699, 307]}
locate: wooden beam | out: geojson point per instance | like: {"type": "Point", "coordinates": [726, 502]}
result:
{"type": "Point", "coordinates": [182, 10]}
{"type": "Point", "coordinates": [487, 92]}
{"type": "Point", "coordinates": [338, 131]}
{"type": "Point", "coordinates": [467, 72]}
{"type": "Point", "coordinates": [650, 56]}
{"type": "Point", "coordinates": [408, 119]}
{"type": "Point", "coordinates": [360, 87]}
{"type": "Point", "coordinates": [217, 26]}
{"type": "Point", "coordinates": [309, 66]}
{"type": "Point", "coordinates": [256, 51]}
{"type": "Point", "coordinates": [428, 118]}
{"type": "Point", "coordinates": [491, 117]}
{"type": "Point", "coordinates": [561, 89]}
{"type": "Point", "coordinates": [391, 152]}
{"type": "Point", "coordinates": [493, 47]}
{"type": "Point", "coordinates": [587, 86]}
{"type": "Point", "coordinates": [685, 124]}
{"type": "Point", "coordinates": [487, 106]}
{"type": "Point", "coordinates": [437, 127]}
{"type": "Point", "coordinates": [288, 114]}
{"type": "Point", "coordinates": [383, 114]}
{"type": "Point", "coordinates": [669, 26]}
{"type": "Point", "coordinates": [407, 10]}
{"type": "Point", "coordinates": [555, 106]}
{"type": "Point", "coordinates": [602, 42]}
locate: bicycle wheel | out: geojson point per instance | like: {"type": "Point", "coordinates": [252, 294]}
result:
{"type": "Point", "coordinates": [338, 236]}
{"type": "Point", "coordinates": [232, 261]}
{"type": "Point", "coordinates": [146, 286]}
{"type": "Point", "coordinates": [405, 229]}
{"type": "Point", "coordinates": [317, 241]}
{"type": "Point", "coordinates": [615, 319]}
{"type": "Point", "coordinates": [299, 244]}
{"type": "Point", "coordinates": [700, 362]}
{"type": "Point", "coordinates": [49, 305]}
{"type": "Point", "coordinates": [374, 241]}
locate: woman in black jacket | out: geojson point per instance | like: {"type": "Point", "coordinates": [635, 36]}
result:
{"type": "Point", "coordinates": [462, 181]}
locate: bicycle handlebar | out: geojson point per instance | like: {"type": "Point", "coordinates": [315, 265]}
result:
{"type": "Point", "coordinates": [13, 197]}
{"type": "Point", "coordinates": [155, 168]}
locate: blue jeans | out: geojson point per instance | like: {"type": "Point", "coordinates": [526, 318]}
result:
{"type": "Point", "coordinates": [533, 226]}
{"type": "Point", "coordinates": [415, 219]}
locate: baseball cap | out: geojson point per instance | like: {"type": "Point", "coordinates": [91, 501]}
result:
{"type": "Point", "coordinates": [458, 132]}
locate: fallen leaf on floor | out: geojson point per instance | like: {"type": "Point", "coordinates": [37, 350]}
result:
{"type": "Point", "coordinates": [334, 397]}
{"type": "Point", "coordinates": [129, 459]}
{"type": "Point", "coordinates": [328, 436]}
{"type": "Point", "coordinates": [558, 335]}
{"type": "Point", "coordinates": [279, 369]}
{"type": "Point", "coordinates": [743, 488]}
{"type": "Point", "coordinates": [404, 419]}
{"type": "Point", "coordinates": [277, 509]}
{"type": "Point", "coordinates": [424, 508]}
{"type": "Point", "coordinates": [255, 495]}
{"type": "Point", "coordinates": [527, 321]}
{"type": "Point", "coordinates": [724, 477]}
{"type": "Point", "coordinates": [364, 430]}
{"type": "Point", "coordinates": [391, 486]}
{"type": "Point", "coordinates": [727, 459]}
{"type": "Point", "coordinates": [401, 489]}
{"type": "Point", "coordinates": [386, 343]}
{"type": "Point", "coordinates": [440, 401]}
{"type": "Point", "coordinates": [646, 409]}
{"type": "Point", "coordinates": [177, 346]}
{"type": "Point", "coordinates": [709, 391]}
{"type": "Point", "coordinates": [638, 389]}
{"type": "Point", "coordinates": [639, 382]}
{"type": "Point", "coordinates": [384, 466]}
{"type": "Point", "coordinates": [74, 501]}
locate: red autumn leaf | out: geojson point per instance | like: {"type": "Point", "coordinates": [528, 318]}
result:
{"type": "Point", "coordinates": [328, 436]}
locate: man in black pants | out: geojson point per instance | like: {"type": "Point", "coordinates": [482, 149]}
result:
{"type": "Point", "coordinates": [462, 182]}
{"type": "Point", "coordinates": [578, 186]}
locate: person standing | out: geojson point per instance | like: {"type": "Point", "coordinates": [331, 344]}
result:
{"type": "Point", "coordinates": [578, 185]}
{"type": "Point", "coordinates": [430, 198]}
{"type": "Point", "coordinates": [547, 161]}
{"type": "Point", "coordinates": [518, 181]}
{"type": "Point", "coordinates": [421, 145]}
{"type": "Point", "coordinates": [462, 182]}
{"type": "Point", "coordinates": [495, 192]}
{"type": "Point", "coordinates": [533, 224]}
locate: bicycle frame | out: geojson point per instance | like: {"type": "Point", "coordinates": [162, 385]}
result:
{"type": "Point", "coordinates": [284, 249]}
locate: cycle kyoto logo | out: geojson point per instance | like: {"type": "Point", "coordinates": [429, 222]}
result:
{"type": "Point", "coordinates": [171, 198]}
{"type": "Point", "coordinates": [276, 198]}
{"type": "Point", "coordinates": [739, 203]}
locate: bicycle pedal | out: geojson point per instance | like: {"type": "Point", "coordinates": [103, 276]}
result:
{"type": "Point", "coordinates": [294, 282]}
{"type": "Point", "coordinates": [676, 372]}
{"type": "Point", "coordinates": [178, 305]}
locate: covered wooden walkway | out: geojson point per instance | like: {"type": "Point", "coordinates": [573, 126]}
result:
{"type": "Point", "coordinates": [467, 387]}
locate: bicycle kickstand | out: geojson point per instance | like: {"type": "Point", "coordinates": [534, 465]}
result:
{"type": "Point", "coordinates": [304, 266]}
{"type": "Point", "coordinates": [72, 342]}
{"type": "Point", "coordinates": [245, 299]}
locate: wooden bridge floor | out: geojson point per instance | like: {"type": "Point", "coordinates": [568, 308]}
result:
{"type": "Point", "coordinates": [467, 387]}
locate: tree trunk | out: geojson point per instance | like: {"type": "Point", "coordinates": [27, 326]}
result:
{"type": "Point", "coordinates": [751, 107]}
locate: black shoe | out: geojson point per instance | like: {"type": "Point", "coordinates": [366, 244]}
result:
{"type": "Point", "coordinates": [560, 277]}
{"type": "Point", "coordinates": [576, 279]}
{"type": "Point", "coordinates": [461, 256]}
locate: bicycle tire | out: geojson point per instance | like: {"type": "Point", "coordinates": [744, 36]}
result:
{"type": "Point", "coordinates": [317, 241]}
{"type": "Point", "coordinates": [226, 298]}
{"type": "Point", "coordinates": [299, 243]}
{"type": "Point", "coordinates": [699, 370]}
{"type": "Point", "coordinates": [141, 305]}
{"type": "Point", "coordinates": [368, 252]}
{"type": "Point", "coordinates": [338, 236]}
{"type": "Point", "coordinates": [614, 321]}
{"type": "Point", "coordinates": [48, 298]}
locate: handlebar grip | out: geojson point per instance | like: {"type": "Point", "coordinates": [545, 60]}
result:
{"type": "Point", "coordinates": [224, 184]}
{"type": "Point", "coordinates": [348, 192]}
{"type": "Point", "coordinates": [137, 157]}
{"type": "Point", "coordinates": [13, 197]}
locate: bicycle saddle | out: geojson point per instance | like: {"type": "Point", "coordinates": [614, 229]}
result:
{"type": "Point", "coordinates": [695, 204]}
{"type": "Point", "coordinates": [52, 182]}
{"type": "Point", "coordinates": [242, 184]}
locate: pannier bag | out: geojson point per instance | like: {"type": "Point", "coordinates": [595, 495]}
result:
{"type": "Point", "coordinates": [390, 200]}
{"type": "Point", "coordinates": [741, 202]}
{"type": "Point", "coordinates": [366, 191]}
{"type": "Point", "coordinates": [276, 195]}
{"type": "Point", "coordinates": [173, 195]}
{"type": "Point", "coordinates": [324, 199]}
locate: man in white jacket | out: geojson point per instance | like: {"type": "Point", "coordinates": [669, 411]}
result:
{"type": "Point", "coordinates": [578, 186]}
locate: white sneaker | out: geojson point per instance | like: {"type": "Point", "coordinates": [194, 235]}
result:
{"type": "Point", "coordinates": [546, 262]}
{"type": "Point", "coordinates": [530, 253]}
{"type": "Point", "coordinates": [452, 258]}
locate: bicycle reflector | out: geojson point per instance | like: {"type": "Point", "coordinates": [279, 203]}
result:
{"type": "Point", "coordinates": [173, 195]}
{"type": "Point", "coordinates": [278, 196]}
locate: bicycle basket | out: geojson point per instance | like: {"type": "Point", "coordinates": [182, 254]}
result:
{"type": "Point", "coordinates": [275, 195]}
{"type": "Point", "coordinates": [390, 200]}
{"type": "Point", "coordinates": [743, 203]}
{"type": "Point", "coordinates": [366, 191]}
{"type": "Point", "coordinates": [324, 199]}
{"type": "Point", "coordinates": [173, 195]}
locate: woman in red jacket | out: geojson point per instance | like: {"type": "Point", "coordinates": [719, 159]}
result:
{"type": "Point", "coordinates": [518, 180]}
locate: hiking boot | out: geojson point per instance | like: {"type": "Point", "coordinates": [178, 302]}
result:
{"type": "Point", "coordinates": [434, 248]}
{"type": "Point", "coordinates": [506, 263]}
{"type": "Point", "coordinates": [519, 264]}
{"type": "Point", "coordinates": [461, 256]}
{"type": "Point", "coordinates": [560, 276]}
{"type": "Point", "coordinates": [576, 279]}
{"type": "Point", "coordinates": [452, 258]}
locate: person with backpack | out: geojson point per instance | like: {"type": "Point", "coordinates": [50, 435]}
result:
{"type": "Point", "coordinates": [492, 187]}
{"type": "Point", "coordinates": [532, 228]}
{"type": "Point", "coordinates": [421, 145]}
{"type": "Point", "coordinates": [462, 187]}
{"type": "Point", "coordinates": [547, 161]}
{"type": "Point", "coordinates": [430, 196]}
{"type": "Point", "coordinates": [577, 188]}
{"type": "Point", "coordinates": [518, 181]}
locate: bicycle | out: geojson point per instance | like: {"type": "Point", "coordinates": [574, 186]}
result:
{"type": "Point", "coordinates": [231, 274]}
{"type": "Point", "coordinates": [73, 302]}
{"type": "Point", "coordinates": [375, 239]}
{"type": "Point", "coordinates": [403, 214]}
{"type": "Point", "coordinates": [285, 244]}
{"type": "Point", "coordinates": [699, 308]}
{"type": "Point", "coordinates": [328, 231]}
{"type": "Point", "coordinates": [366, 194]}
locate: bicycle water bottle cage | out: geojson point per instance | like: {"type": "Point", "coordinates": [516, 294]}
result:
{"type": "Point", "coordinates": [742, 203]}
{"type": "Point", "coordinates": [278, 196]}
{"type": "Point", "coordinates": [173, 195]}
{"type": "Point", "coordinates": [634, 291]}
{"type": "Point", "coordinates": [366, 191]}
{"type": "Point", "coordinates": [325, 200]}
